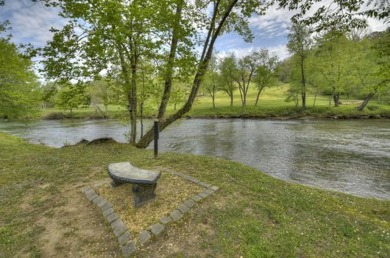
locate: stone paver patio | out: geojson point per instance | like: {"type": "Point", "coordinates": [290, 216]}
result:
{"type": "Point", "coordinates": [127, 242]}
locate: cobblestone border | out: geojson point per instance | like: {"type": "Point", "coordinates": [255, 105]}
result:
{"type": "Point", "coordinates": [126, 240]}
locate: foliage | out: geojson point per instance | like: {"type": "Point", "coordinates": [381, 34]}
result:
{"type": "Point", "coordinates": [299, 44]}
{"type": "Point", "coordinates": [264, 72]}
{"type": "Point", "coordinates": [381, 48]}
{"type": "Point", "coordinates": [333, 62]}
{"type": "Point", "coordinates": [212, 80]}
{"type": "Point", "coordinates": [71, 96]}
{"type": "Point", "coordinates": [337, 15]}
{"type": "Point", "coordinates": [245, 72]}
{"type": "Point", "coordinates": [101, 92]}
{"type": "Point", "coordinates": [19, 88]}
{"type": "Point", "coordinates": [49, 92]}
{"type": "Point", "coordinates": [228, 72]}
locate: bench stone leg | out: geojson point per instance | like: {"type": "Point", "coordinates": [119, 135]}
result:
{"type": "Point", "coordinates": [143, 193]}
{"type": "Point", "coordinates": [116, 183]}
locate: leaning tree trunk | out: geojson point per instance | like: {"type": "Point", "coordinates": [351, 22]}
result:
{"type": "Point", "coordinates": [202, 68]}
{"type": "Point", "coordinates": [366, 100]}
{"type": "Point", "coordinates": [149, 136]}
{"type": "Point", "coordinates": [213, 96]}
{"type": "Point", "coordinates": [258, 95]}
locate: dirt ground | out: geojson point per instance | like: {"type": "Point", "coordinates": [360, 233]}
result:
{"type": "Point", "coordinates": [77, 228]}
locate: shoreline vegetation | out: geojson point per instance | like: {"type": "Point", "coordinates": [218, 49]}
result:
{"type": "Point", "coordinates": [252, 215]}
{"type": "Point", "coordinates": [272, 105]}
{"type": "Point", "coordinates": [283, 113]}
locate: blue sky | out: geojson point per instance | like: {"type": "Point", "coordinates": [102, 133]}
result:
{"type": "Point", "coordinates": [31, 23]}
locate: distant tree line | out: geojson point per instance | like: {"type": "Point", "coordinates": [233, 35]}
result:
{"type": "Point", "coordinates": [229, 74]}
{"type": "Point", "coordinates": [336, 63]}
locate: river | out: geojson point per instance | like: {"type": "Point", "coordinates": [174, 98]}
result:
{"type": "Point", "coordinates": [351, 156]}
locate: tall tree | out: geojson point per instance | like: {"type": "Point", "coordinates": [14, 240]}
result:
{"type": "Point", "coordinates": [299, 44]}
{"type": "Point", "coordinates": [265, 72]}
{"type": "Point", "coordinates": [212, 80]}
{"type": "Point", "coordinates": [218, 17]}
{"type": "Point", "coordinates": [101, 35]}
{"type": "Point", "coordinates": [245, 71]}
{"type": "Point", "coordinates": [229, 73]}
{"type": "Point", "coordinates": [371, 65]}
{"type": "Point", "coordinates": [333, 62]}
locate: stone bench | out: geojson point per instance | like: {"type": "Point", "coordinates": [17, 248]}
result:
{"type": "Point", "coordinates": [144, 181]}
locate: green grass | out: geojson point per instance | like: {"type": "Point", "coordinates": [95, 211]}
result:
{"type": "Point", "coordinates": [271, 104]}
{"type": "Point", "coordinates": [113, 111]}
{"type": "Point", "coordinates": [252, 215]}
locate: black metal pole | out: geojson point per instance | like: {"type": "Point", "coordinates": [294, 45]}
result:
{"type": "Point", "coordinates": [156, 135]}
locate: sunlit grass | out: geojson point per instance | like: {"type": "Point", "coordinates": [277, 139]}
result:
{"type": "Point", "coordinates": [272, 103]}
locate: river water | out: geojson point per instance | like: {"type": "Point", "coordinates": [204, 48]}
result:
{"type": "Point", "coordinates": [350, 156]}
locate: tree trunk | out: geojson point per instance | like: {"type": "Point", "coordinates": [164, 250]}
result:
{"type": "Point", "coordinates": [131, 89]}
{"type": "Point", "coordinates": [336, 99]}
{"type": "Point", "coordinates": [148, 137]}
{"type": "Point", "coordinates": [141, 110]}
{"type": "Point", "coordinates": [202, 68]}
{"type": "Point", "coordinates": [366, 100]}
{"type": "Point", "coordinates": [133, 101]}
{"type": "Point", "coordinates": [241, 90]}
{"type": "Point", "coordinates": [315, 98]}
{"type": "Point", "coordinates": [213, 97]}
{"type": "Point", "coordinates": [258, 95]}
{"type": "Point", "coordinates": [303, 90]}
{"type": "Point", "coordinates": [170, 63]}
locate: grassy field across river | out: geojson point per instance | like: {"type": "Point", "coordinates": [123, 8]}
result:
{"type": "Point", "coordinates": [272, 104]}
{"type": "Point", "coordinates": [44, 214]}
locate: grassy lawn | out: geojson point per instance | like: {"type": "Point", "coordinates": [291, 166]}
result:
{"type": "Point", "coordinates": [43, 212]}
{"type": "Point", "coordinates": [271, 104]}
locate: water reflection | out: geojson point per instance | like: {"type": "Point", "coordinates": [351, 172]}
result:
{"type": "Point", "coordinates": [348, 156]}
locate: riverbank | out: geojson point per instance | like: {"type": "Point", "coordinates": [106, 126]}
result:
{"type": "Point", "coordinates": [274, 112]}
{"type": "Point", "coordinates": [252, 215]}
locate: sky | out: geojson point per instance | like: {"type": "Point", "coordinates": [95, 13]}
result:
{"type": "Point", "coordinates": [31, 22]}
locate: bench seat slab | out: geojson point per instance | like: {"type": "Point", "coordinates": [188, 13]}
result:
{"type": "Point", "coordinates": [144, 181]}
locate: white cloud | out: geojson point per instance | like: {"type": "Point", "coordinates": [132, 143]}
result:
{"type": "Point", "coordinates": [376, 25]}
{"type": "Point", "coordinates": [30, 21]}
{"type": "Point", "coordinates": [280, 51]}
{"type": "Point", "coordinates": [276, 21]}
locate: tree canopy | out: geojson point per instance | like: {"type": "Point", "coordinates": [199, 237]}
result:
{"type": "Point", "coordinates": [19, 91]}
